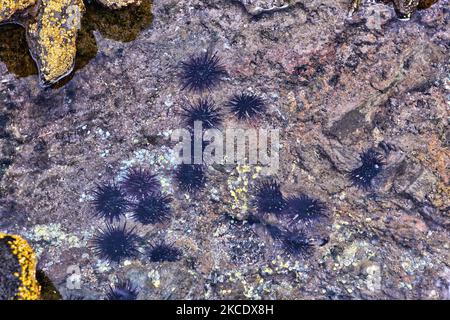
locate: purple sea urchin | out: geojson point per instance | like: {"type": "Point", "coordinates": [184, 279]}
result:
{"type": "Point", "coordinates": [269, 198]}
{"type": "Point", "coordinates": [205, 111]}
{"type": "Point", "coordinates": [302, 208]}
{"type": "Point", "coordinates": [115, 243]}
{"type": "Point", "coordinates": [371, 165]}
{"type": "Point", "coordinates": [202, 72]}
{"type": "Point", "coordinates": [190, 177]}
{"type": "Point", "coordinates": [140, 183]}
{"type": "Point", "coordinates": [246, 106]}
{"type": "Point", "coordinates": [123, 290]}
{"type": "Point", "coordinates": [296, 244]}
{"type": "Point", "coordinates": [109, 202]}
{"type": "Point", "coordinates": [164, 252]}
{"type": "Point", "coordinates": [152, 209]}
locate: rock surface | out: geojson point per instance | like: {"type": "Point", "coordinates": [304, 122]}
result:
{"type": "Point", "coordinates": [18, 271]}
{"type": "Point", "coordinates": [52, 28]}
{"type": "Point", "coordinates": [335, 86]}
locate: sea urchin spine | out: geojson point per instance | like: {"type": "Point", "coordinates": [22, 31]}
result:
{"type": "Point", "coordinates": [269, 198]}
{"type": "Point", "coordinates": [246, 106]}
{"type": "Point", "coordinates": [190, 177]}
{"type": "Point", "coordinates": [140, 183]}
{"type": "Point", "coordinates": [204, 111]}
{"type": "Point", "coordinates": [123, 290]}
{"type": "Point", "coordinates": [304, 208]}
{"type": "Point", "coordinates": [202, 72]}
{"type": "Point", "coordinates": [152, 209]}
{"type": "Point", "coordinates": [115, 243]}
{"type": "Point", "coordinates": [371, 165]}
{"type": "Point", "coordinates": [109, 202]}
{"type": "Point", "coordinates": [164, 252]}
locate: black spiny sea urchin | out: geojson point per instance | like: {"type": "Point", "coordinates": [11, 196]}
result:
{"type": "Point", "coordinates": [202, 72]}
{"type": "Point", "coordinates": [269, 198]}
{"type": "Point", "coordinates": [140, 183]}
{"type": "Point", "coordinates": [109, 202]}
{"type": "Point", "coordinates": [204, 111]}
{"type": "Point", "coordinates": [372, 165]}
{"type": "Point", "coordinates": [115, 243]}
{"type": "Point", "coordinates": [152, 209]}
{"type": "Point", "coordinates": [304, 208]}
{"type": "Point", "coordinates": [246, 106]}
{"type": "Point", "coordinates": [190, 177]}
{"type": "Point", "coordinates": [123, 290]}
{"type": "Point", "coordinates": [297, 244]}
{"type": "Point", "coordinates": [164, 252]}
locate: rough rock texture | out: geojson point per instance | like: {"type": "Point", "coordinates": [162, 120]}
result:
{"type": "Point", "coordinates": [18, 271]}
{"type": "Point", "coordinates": [52, 28]}
{"type": "Point", "coordinates": [335, 87]}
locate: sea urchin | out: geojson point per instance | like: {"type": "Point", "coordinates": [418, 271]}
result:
{"type": "Point", "coordinates": [297, 244]}
{"type": "Point", "coordinates": [246, 106]}
{"type": "Point", "coordinates": [123, 290]}
{"type": "Point", "coordinates": [115, 243]}
{"type": "Point", "coordinates": [190, 177]}
{"type": "Point", "coordinates": [152, 209]}
{"type": "Point", "coordinates": [269, 198]}
{"type": "Point", "coordinates": [140, 183]}
{"type": "Point", "coordinates": [372, 165]}
{"type": "Point", "coordinates": [164, 252]}
{"type": "Point", "coordinates": [202, 72]}
{"type": "Point", "coordinates": [304, 208]}
{"type": "Point", "coordinates": [109, 202]}
{"type": "Point", "coordinates": [204, 111]}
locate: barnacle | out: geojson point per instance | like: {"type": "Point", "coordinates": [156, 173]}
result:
{"type": "Point", "coordinates": [202, 72]}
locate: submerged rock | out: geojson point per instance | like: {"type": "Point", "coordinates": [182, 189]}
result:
{"type": "Point", "coordinates": [403, 8]}
{"type": "Point", "coordinates": [18, 271]}
{"type": "Point", "coordinates": [52, 29]}
{"type": "Point", "coordinates": [8, 8]}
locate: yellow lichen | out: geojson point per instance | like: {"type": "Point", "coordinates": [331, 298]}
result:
{"type": "Point", "coordinates": [54, 33]}
{"type": "Point", "coordinates": [29, 288]}
{"type": "Point", "coordinates": [9, 7]}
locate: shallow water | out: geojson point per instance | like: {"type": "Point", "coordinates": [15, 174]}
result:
{"type": "Point", "coordinates": [120, 25]}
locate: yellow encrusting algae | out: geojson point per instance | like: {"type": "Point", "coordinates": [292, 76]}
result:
{"type": "Point", "coordinates": [9, 7]}
{"type": "Point", "coordinates": [29, 288]}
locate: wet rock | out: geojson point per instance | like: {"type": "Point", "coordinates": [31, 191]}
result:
{"type": "Point", "coordinates": [52, 30]}
{"type": "Point", "coordinates": [256, 7]}
{"type": "Point", "coordinates": [52, 38]}
{"type": "Point", "coordinates": [10, 7]}
{"type": "Point", "coordinates": [403, 8]}
{"type": "Point", "coordinates": [18, 271]}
